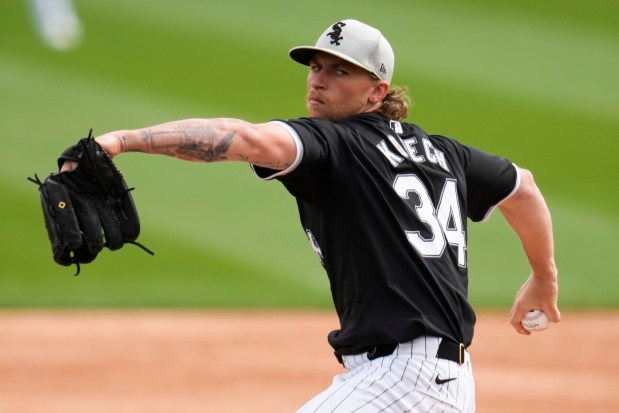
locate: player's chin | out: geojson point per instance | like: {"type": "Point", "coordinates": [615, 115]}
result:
{"type": "Point", "coordinates": [315, 109]}
{"type": "Point", "coordinates": [321, 111]}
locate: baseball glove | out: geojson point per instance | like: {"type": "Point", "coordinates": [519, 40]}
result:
{"type": "Point", "coordinates": [88, 208]}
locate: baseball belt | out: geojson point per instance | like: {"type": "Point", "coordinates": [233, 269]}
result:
{"type": "Point", "coordinates": [447, 350]}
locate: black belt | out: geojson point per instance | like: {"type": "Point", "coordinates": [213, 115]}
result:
{"type": "Point", "coordinates": [447, 350]}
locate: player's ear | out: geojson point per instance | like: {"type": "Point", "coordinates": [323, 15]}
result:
{"type": "Point", "coordinates": [379, 91]}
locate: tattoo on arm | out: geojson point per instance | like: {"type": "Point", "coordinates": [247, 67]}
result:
{"type": "Point", "coordinates": [206, 149]}
{"type": "Point", "coordinates": [124, 147]}
{"type": "Point", "coordinates": [198, 143]}
{"type": "Point", "coordinates": [210, 140]}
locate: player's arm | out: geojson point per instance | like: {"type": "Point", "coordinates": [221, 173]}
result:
{"type": "Point", "coordinates": [209, 140]}
{"type": "Point", "coordinates": [527, 213]}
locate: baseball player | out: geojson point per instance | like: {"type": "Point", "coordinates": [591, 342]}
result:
{"type": "Point", "coordinates": [384, 205]}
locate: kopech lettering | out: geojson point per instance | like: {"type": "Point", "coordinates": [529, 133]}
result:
{"type": "Point", "coordinates": [408, 149]}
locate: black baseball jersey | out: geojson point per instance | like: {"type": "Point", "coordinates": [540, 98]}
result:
{"type": "Point", "coordinates": [385, 207]}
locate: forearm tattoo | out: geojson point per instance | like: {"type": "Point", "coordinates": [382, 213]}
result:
{"type": "Point", "coordinates": [206, 140]}
{"type": "Point", "coordinates": [198, 142]}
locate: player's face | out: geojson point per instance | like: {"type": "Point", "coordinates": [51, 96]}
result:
{"type": "Point", "coordinates": [337, 89]}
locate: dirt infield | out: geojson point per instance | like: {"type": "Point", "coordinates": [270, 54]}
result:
{"type": "Point", "coordinates": [133, 362]}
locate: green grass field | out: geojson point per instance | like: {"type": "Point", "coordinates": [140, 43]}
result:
{"type": "Point", "coordinates": [535, 81]}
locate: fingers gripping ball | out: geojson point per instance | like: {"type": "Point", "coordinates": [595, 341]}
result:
{"type": "Point", "coordinates": [88, 208]}
{"type": "Point", "coordinates": [535, 320]}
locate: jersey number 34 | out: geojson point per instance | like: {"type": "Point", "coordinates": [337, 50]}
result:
{"type": "Point", "coordinates": [444, 220]}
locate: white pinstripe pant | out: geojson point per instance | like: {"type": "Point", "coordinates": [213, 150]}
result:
{"type": "Point", "coordinates": [405, 381]}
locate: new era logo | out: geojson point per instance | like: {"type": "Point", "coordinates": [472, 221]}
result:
{"type": "Point", "coordinates": [382, 68]}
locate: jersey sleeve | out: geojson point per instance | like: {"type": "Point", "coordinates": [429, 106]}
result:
{"type": "Point", "coordinates": [267, 173]}
{"type": "Point", "coordinates": [313, 147]}
{"type": "Point", "coordinates": [490, 180]}
{"type": "Point", "coordinates": [316, 147]}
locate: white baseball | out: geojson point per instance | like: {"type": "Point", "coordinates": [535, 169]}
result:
{"type": "Point", "coordinates": [535, 320]}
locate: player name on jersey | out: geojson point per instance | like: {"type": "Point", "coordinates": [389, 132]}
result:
{"type": "Point", "coordinates": [410, 148]}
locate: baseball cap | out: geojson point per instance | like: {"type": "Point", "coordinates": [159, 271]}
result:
{"type": "Point", "coordinates": [355, 42]}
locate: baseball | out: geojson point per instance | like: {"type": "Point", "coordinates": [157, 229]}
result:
{"type": "Point", "coordinates": [535, 320]}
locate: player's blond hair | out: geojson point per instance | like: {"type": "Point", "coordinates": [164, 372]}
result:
{"type": "Point", "coordinates": [395, 104]}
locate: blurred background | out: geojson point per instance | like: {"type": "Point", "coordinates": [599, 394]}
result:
{"type": "Point", "coordinates": [534, 81]}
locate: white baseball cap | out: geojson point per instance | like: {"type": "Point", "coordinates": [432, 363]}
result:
{"type": "Point", "coordinates": [355, 42]}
